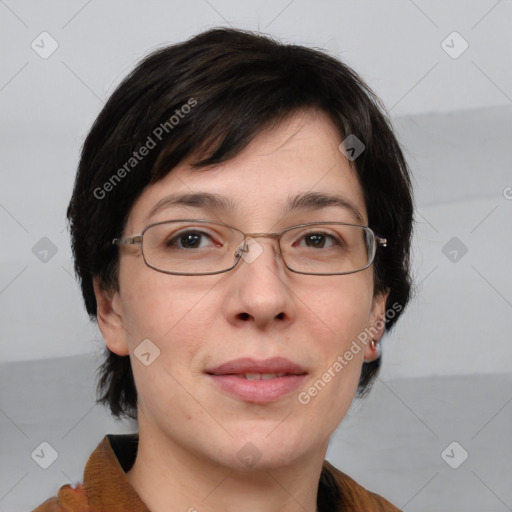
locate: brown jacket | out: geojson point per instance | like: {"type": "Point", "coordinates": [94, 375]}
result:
{"type": "Point", "coordinates": [106, 487]}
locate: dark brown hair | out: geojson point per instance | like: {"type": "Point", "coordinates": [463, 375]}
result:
{"type": "Point", "coordinates": [207, 98]}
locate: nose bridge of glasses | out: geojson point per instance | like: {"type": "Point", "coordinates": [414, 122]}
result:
{"type": "Point", "coordinates": [274, 236]}
{"type": "Point", "coordinates": [244, 247]}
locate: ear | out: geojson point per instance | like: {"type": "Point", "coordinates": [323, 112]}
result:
{"type": "Point", "coordinates": [376, 326]}
{"type": "Point", "coordinates": [110, 319]}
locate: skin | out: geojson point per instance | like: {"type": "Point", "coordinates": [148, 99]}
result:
{"type": "Point", "coordinates": [190, 431]}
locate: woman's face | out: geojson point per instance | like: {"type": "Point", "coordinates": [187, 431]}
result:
{"type": "Point", "coordinates": [257, 311]}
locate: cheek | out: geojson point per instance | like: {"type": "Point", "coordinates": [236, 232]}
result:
{"type": "Point", "coordinates": [173, 313]}
{"type": "Point", "coordinates": [155, 303]}
{"type": "Point", "coordinates": [340, 309]}
{"type": "Point", "coordinates": [336, 317]}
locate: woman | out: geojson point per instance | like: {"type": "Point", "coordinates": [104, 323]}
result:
{"type": "Point", "coordinates": [241, 225]}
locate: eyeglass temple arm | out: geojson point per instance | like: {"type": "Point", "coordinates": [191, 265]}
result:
{"type": "Point", "coordinates": [134, 240]}
{"type": "Point", "coordinates": [383, 242]}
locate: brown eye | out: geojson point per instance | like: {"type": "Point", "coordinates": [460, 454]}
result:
{"type": "Point", "coordinates": [190, 240]}
{"type": "Point", "coordinates": [318, 240]}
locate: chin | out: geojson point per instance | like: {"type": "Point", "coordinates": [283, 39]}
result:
{"type": "Point", "coordinates": [261, 451]}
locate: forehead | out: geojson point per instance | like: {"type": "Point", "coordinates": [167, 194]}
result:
{"type": "Point", "coordinates": [298, 158]}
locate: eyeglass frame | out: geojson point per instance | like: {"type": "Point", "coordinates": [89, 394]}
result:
{"type": "Point", "coordinates": [139, 239]}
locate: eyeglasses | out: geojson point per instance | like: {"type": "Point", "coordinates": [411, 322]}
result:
{"type": "Point", "coordinates": [192, 247]}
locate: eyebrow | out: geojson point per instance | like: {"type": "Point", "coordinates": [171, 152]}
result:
{"type": "Point", "coordinates": [318, 200]}
{"type": "Point", "coordinates": [304, 202]}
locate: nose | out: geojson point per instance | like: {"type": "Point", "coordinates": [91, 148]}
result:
{"type": "Point", "coordinates": [258, 289]}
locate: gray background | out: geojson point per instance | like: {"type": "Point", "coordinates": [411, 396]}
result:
{"type": "Point", "coordinates": [447, 366]}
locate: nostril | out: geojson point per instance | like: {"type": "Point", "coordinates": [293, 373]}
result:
{"type": "Point", "coordinates": [280, 316]}
{"type": "Point", "coordinates": [244, 316]}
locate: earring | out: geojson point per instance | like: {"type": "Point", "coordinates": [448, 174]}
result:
{"type": "Point", "coordinates": [375, 346]}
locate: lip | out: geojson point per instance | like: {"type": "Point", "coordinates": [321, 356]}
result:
{"type": "Point", "coordinates": [229, 377]}
{"type": "Point", "coordinates": [249, 365]}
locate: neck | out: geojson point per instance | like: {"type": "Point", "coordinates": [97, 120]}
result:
{"type": "Point", "coordinates": [168, 477]}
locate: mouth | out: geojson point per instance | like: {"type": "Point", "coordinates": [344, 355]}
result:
{"type": "Point", "coordinates": [259, 376]}
{"type": "Point", "coordinates": [255, 381]}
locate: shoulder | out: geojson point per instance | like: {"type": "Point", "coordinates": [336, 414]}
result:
{"type": "Point", "coordinates": [354, 496]}
{"type": "Point", "coordinates": [68, 499]}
